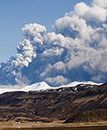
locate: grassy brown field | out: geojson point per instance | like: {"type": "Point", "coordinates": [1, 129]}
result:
{"type": "Point", "coordinates": [56, 125]}
{"type": "Point", "coordinates": [61, 128]}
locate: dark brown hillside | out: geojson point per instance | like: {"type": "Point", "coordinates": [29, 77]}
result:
{"type": "Point", "coordinates": [81, 103]}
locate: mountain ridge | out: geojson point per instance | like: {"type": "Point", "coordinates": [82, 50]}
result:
{"type": "Point", "coordinates": [42, 86]}
{"type": "Point", "coordinates": [85, 103]}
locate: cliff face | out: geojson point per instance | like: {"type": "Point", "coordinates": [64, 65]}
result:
{"type": "Point", "coordinates": [80, 103]}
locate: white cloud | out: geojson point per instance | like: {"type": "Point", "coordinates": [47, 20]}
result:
{"type": "Point", "coordinates": [94, 12]}
{"type": "Point", "coordinates": [59, 80]}
{"type": "Point", "coordinates": [59, 66]}
{"type": "Point", "coordinates": [55, 51]}
{"type": "Point", "coordinates": [25, 55]}
{"type": "Point", "coordinates": [101, 3]}
{"type": "Point", "coordinates": [72, 25]}
{"type": "Point", "coordinates": [34, 32]}
{"type": "Point", "coordinates": [81, 8]}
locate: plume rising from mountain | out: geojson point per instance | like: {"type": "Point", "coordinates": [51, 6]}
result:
{"type": "Point", "coordinates": [76, 50]}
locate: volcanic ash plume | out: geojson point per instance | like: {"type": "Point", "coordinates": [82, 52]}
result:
{"type": "Point", "coordinates": [75, 50]}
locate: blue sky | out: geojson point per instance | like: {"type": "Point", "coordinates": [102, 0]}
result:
{"type": "Point", "coordinates": [15, 13]}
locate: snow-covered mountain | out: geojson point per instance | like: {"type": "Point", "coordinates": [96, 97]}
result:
{"type": "Point", "coordinates": [40, 86]}
{"type": "Point", "coordinates": [43, 86]}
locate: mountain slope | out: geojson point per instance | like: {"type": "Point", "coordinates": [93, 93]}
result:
{"type": "Point", "coordinates": [85, 103]}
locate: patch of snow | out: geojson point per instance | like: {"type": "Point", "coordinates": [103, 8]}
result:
{"type": "Point", "coordinates": [75, 83]}
{"type": "Point", "coordinates": [3, 90]}
{"type": "Point", "coordinates": [42, 86]}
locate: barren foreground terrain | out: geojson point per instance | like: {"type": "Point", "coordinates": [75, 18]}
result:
{"type": "Point", "coordinates": [56, 125]}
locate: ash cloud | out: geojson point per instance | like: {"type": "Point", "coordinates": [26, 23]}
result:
{"type": "Point", "coordinates": [75, 50]}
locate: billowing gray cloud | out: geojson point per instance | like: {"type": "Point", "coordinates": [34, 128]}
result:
{"type": "Point", "coordinates": [101, 3]}
{"type": "Point", "coordinates": [76, 50]}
